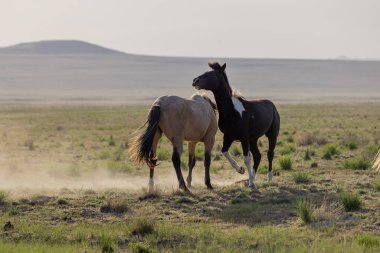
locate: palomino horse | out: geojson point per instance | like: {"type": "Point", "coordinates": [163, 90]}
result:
{"type": "Point", "coordinates": [180, 119]}
{"type": "Point", "coordinates": [242, 120]}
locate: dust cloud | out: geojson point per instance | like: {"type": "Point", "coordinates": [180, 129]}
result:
{"type": "Point", "coordinates": [22, 181]}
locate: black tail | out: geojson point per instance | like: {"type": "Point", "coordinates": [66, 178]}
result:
{"type": "Point", "coordinates": [142, 144]}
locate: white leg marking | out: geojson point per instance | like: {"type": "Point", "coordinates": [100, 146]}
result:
{"type": "Point", "coordinates": [151, 183]}
{"type": "Point", "coordinates": [270, 176]}
{"type": "Point", "coordinates": [233, 162]}
{"type": "Point", "coordinates": [252, 174]}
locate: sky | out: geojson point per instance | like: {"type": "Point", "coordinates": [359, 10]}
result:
{"type": "Point", "coordinates": [214, 28]}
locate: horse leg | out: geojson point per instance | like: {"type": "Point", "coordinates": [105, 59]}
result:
{"type": "Point", "coordinates": [191, 162]}
{"type": "Point", "coordinates": [256, 157]}
{"type": "Point", "coordinates": [153, 158]}
{"type": "Point", "coordinates": [272, 145]}
{"type": "Point", "coordinates": [247, 162]}
{"type": "Point", "coordinates": [176, 159]}
{"type": "Point", "coordinates": [227, 141]}
{"type": "Point", "coordinates": [208, 148]}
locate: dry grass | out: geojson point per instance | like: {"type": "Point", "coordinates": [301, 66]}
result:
{"type": "Point", "coordinates": [328, 211]}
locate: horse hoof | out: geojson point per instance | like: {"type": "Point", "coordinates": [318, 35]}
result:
{"type": "Point", "coordinates": [184, 188]}
{"type": "Point", "coordinates": [209, 186]}
{"type": "Point", "coordinates": [253, 186]}
{"type": "Point", "coordinates": [270, 177]}
{"type": "Point", "coordinates": [241, 170]}
{"type": "Point", "coordinates": [188, 183]}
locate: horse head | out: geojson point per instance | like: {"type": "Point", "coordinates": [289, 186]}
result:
{"type": "Point", "coordinates": [214, 79]}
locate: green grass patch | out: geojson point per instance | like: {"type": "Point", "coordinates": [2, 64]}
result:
{"type": "Point", "coordinates": [330, 150]}
{"type": "Point", "coordinates": [376, 184]}
{"type": "Point", "coordinates": [163, 154]}
{"type": "Point", "coordinates": [350, 201]}
{"type": "Point", "coordinates": [351, 145]}
{"type": "Point", "coordinates": [62, 201]}
{"type": "Point", "coordinates": [287, 149]}
{"type": "Point", "coordinates": [368, 241]}
{"type": "Point", "coordinates": [304, 210]}
{"type": "Point", "coordinates": [301, 177]}
{"type": "Point", "coordinates": [199, 153]}
{"type": "Point", "coordinates": [117, 206]}
{"type": "Point", "coordinates": [140, 248]}
{"type": "Point", "coordinates": [307, 155]}
{"type": "Point", "coordinates": [3, 197]}
{"type": "Point", "coordinates": [235, 151]}
{"type": "Point", "coordinates": [357, 164]}
{"type": "Point", "coordinates": [105, 243]}
{"type": "Point", "coordinates": [143, 226]}
{"type": "Point", "coordinates": [285, 162]}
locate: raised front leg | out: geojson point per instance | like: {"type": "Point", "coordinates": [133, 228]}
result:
{"type": "Point", "coordinates": [226, 145]}
{"type": "Point", "coordinates": [247, 161]}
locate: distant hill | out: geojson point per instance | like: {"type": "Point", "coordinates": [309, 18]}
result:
{"type": "Point", "coordinates": [69, 71]}
{"type": "Point", "coordinates": [51, 47]}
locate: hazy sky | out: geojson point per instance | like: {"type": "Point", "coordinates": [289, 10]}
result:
{"type": "Point", "coordinates": [234, 28]}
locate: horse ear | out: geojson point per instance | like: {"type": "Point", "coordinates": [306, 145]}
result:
{"type": "Point", "coordinates": [223, 67]}
{"type": "Point", "coordinates": [214, 65]}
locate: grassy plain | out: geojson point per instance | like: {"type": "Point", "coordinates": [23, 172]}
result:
{"type": "Point", "coordinates": [67, 185]}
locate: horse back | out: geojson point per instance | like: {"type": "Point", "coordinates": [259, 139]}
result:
{"type": "Point", "coordinates": [190, 119]}
{"type": "Point", "coordinates": [264, 118]}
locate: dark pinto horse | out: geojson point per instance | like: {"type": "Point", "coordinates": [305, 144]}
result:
{"type": "Point", "coordinates": [241, 120]}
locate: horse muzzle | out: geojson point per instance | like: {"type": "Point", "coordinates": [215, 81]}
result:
{"type": "Point", "coordinates": [195, 83]}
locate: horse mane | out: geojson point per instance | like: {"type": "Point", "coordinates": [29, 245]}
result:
{"type": "Point", "coordinates": [213, 105]}
{"type": "Point", "coordinates": [231, 91]}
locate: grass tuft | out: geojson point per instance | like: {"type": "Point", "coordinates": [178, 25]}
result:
{"type": "Point", "coordinates": [300, 177]}
{"type": "Point", "coordinates": [3, 197]}
{"type": "Point", "coordinates": [314, 164]}
{"type": "Point", "coordinates": [285, 162]}
{"type": "Point", "coordinates": [111, 141]}
{"type": "Point", "coordinates": [139, 248]}
{"type": "Point", "coordinates": [376, 184]}
{"type": "Point", "coordinates": [304, 210]}
{"type": "Point", "coordinates": [368, 241]}
{"type": "Point", "coordinates": [106, 244]}
{"type": "Point", "coordinates": [287, 149]}
{"type": "Point", "coordinates": [142, 226]}
{"type": "Point", "coordinates": [307, 155]}
{"type": "Point", "coordinates": [351, 145]}
{"type": "Point", "coordinates": [62, 201]}
{"type": "Point", "coordinates": [308, 139]}
{"type": "Point", "coordinates": [350, 201]}
{"type": "Point", "coordinates": [150, 194]}
{"type": "Point", "coordinates": [163, 154]}
{"type": "Point", "coordinates": [357, 164]}
{"type": "Point", "coordinates": [330, 150]}
{"type": "Point", "coordinates": [114, 206]}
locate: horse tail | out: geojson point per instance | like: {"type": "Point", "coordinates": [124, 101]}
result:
{"type": "Point", "coordinates": [276, 120]}
{"type": "Point", "coordinates": [274, 128]}
{"type": "Point", "coordinates": [142, 144]}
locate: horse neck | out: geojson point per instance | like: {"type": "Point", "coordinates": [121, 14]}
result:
{"type": "Point", "coordinates": [223, 101]}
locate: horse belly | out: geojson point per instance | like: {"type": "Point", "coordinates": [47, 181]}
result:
{"type": "Point", "coordinates": [194, 132]}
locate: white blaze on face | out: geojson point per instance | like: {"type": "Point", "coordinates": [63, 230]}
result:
{"type": "Point", "coordinates": [238, 106]}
